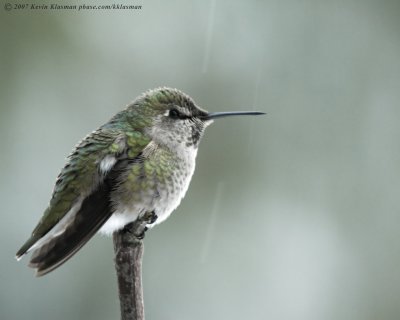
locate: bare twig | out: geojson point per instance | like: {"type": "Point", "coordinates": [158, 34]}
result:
{"type": "Point", "coordinates": [129, 247]}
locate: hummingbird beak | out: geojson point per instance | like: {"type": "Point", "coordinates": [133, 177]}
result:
{"type": "Point", "coordinates": [215, 115]}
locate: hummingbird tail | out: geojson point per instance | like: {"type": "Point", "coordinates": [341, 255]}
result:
{"type": "Point", "coordinates": [25, 248]}
{"type": "Point", "coordinates": [94, 212]}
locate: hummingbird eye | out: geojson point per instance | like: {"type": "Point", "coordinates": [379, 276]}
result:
{"type": "Point", "coordinates": [174, 114]}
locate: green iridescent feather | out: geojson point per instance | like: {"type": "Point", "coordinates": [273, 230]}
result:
{"type": "Point", "coordinates": [82, 174]}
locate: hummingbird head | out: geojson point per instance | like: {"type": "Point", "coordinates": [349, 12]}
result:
{"type": "Point", "coordinates": [176, 121]}
{"type": "Point", "coordinates": [172, 118]}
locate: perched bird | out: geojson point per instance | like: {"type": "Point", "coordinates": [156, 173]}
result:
{"type": "Point", "coordinates": [141, 161]}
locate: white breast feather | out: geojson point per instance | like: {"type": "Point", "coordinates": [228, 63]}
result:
{"type": "Point", "coordinates": [164, 205]}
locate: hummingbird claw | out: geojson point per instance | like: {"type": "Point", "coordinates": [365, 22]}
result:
{"type": "Point", "coordinates": [133, 228]}
{"type": "Point", "coordinates": [149, 217]}
{"type": "Point", "coordinates": [153, 217]}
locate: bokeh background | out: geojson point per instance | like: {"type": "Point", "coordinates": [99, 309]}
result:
{"type": "Point", "coordinates": [294, 215]}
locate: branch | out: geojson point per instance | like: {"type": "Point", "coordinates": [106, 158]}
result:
{"type": "Point", "coordinates": [128, 248]}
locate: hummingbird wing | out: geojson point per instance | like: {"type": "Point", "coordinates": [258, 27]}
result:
{"type": "Point", "coordinates": [80, 203]}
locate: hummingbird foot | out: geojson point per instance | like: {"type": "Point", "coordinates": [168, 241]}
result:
{"type": "Point", "coordinates": [153, 217]}
{"type": "Point", "coordinates": [149, 217]}
{"type": "Point", "coordinates": [138, 228]}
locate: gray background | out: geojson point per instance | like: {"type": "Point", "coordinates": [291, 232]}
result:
{"type": "Point", "coordinates": [294, 215]}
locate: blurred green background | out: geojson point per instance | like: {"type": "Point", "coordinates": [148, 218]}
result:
{"type": "Point", "coordinates": [294, 215]}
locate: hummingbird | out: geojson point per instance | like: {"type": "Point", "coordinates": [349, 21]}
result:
{"type": "Point", "coordinates": [139, 162]}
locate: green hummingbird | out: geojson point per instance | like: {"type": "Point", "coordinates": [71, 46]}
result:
{"type": "Point", "coordinates": [139, 162]}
